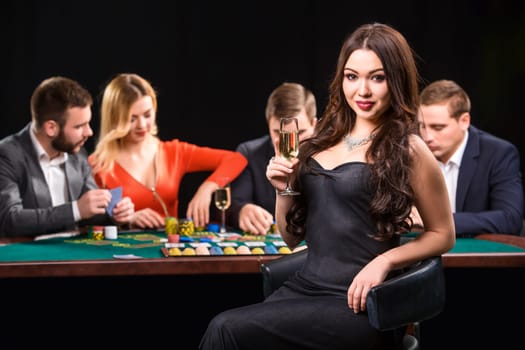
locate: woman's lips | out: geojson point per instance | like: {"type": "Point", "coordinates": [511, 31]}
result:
{"type": "Point", "coordinates": [365, 106]}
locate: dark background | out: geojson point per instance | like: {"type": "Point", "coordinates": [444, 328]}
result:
{"type": "Point", "coordinates": [483, 311]}
{"type": "Point", "coordinates": [214, 63]}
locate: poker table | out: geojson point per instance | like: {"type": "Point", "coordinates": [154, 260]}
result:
{"type": "Point", "coordinates": [139, 296]}
{"type": "Point", "coordinates": [133, 253]}
{"type": "Point", "coordinates": [145, 253]}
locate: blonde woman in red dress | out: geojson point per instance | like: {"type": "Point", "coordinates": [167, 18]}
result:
{"type": "Point", "coordinates": [129, 154]}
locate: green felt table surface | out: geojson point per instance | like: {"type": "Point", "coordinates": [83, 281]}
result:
{"type": "Point", "coordinates": [149, 244]}
{"type": "Point", "coordinates": [137, 244]}
{"type": "Point", "coordinates": [146, 245]}
{"type": "Point", "coordinates": [471, 245]}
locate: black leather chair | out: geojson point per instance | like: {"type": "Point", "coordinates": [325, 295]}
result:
{"type": "Point", "coordinates": [417, 294]}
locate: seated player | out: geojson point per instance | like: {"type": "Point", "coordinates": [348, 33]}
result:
{"type": "Point", "coordinates": [46, 184]}
{"type": "Point", "coordinates": [129, 154]}
{"type": "Point", "coordinates": [253, 197]}
{"type": "Point", "coordinates": [482, 171]}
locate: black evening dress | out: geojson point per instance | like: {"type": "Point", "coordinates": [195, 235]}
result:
{"type": "Point", "coordinates": [310, 311]}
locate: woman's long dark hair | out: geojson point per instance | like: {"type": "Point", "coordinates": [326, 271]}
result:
{"type": "Point", "coordinates": [389, 154]}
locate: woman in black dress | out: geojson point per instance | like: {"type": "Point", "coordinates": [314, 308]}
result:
{"type": "Point", "coordinates": [359, 176]}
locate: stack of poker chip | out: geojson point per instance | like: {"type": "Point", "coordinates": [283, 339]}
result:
{"type": "Point", "coordinates": [186, 227]}
{"type": "Point", "coordinates": [171, 225]}
{"type": "Point", "coordinates": [110, 232]}
{"type": "Point", "coordinates": [96, 232]}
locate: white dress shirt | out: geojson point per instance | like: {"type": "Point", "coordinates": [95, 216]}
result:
{"type": "Point", "coordinates": [450, 171]}
{"type": "Point", "coordinates": [55, 175]}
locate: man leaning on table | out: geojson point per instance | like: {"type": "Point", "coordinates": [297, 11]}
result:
{"type": "Point", "coordinates": [253, 197]}
{"type": "Point", "coordinates": [482, 171]}
{"type": "Point", "coordinates": [46, 184]}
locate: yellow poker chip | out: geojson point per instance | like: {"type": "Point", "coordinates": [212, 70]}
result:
{"type": "Point", "coordinates": [96, 232]}
{"type": "Point", "coordinates": [189, 251]}
{"type": "Point", "coordinates": [186, 227]}
{"type": "Point", "coordinates": [171, 225]}
{"type": "Point", "coordinates": [98, 235]}
{"type": "Point", "coordinates": [284, 250]}
{"type": "Point", "coordinates": [230, 251]}
{"type": "Point", "coordinates": [258, 250]}
{"type": "Point", "coordinates": [174, 251]}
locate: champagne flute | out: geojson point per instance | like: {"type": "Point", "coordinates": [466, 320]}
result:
{"type": "Point", "coordinates": [222, 199]}
{"type": "Point", "coordinates": [289, 147]}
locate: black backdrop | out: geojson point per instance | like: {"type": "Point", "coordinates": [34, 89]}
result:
{"type": "Point", "coordinates": [214, 63]}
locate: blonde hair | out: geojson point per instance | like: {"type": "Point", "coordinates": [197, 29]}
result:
{"type": "Point", "coordinates": [119, 95]}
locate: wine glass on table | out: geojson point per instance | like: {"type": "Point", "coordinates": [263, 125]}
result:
{"type": "Point", "coordinates": [222, 199]}
{"type": "Point", "coordinates": [289, 147]}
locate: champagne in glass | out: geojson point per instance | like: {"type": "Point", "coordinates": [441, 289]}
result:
{"type": "Point", "coordinates": [222, 199]}
{"type": "Point", "coordinates": [289, 144]}
{"type": "Point", "coordinates": [289, 147]}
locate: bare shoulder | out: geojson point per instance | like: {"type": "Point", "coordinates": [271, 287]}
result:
{"type": "Point", "coordinates": [416, 143]}
{"type": "Point", "coordinates": [424, 162]}
{"type": "Point", "coordinates": [419, 149]}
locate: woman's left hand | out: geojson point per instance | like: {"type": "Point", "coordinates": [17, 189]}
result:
{"type": "Point", "coordinates": [371, 275]}
{"type": "Point", "coordinates": [123, 211]}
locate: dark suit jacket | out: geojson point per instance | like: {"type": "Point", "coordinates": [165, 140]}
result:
{"type": "Point", "coordinates": [489, 195]}
{"type": "Point", "coordinates": [25, 201]}
{"type": "Point", "coordinates": [252, 186]}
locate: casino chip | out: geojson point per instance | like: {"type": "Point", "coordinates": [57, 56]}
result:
{"type": "Point", "coordinates": [186, 227]}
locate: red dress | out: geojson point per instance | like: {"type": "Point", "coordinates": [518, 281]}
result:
{"type": "Point", "coordinates": [174, 159]}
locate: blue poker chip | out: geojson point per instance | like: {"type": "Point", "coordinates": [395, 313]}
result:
{"type": "Point", "coordinates": [216, 250]}
{"type": "Point", "coordinates": [185, 239]}
{"type": "Point", "coordinates": [270, 249]}
{"type": "Point", "coordinates": [214, 227]}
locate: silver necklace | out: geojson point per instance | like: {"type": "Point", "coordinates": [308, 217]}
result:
{"type": "Point", "coordinates": [352, 142]}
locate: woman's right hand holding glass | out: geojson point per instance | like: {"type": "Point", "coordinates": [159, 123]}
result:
{"type": "Point", "coordinates": [277, 171]}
